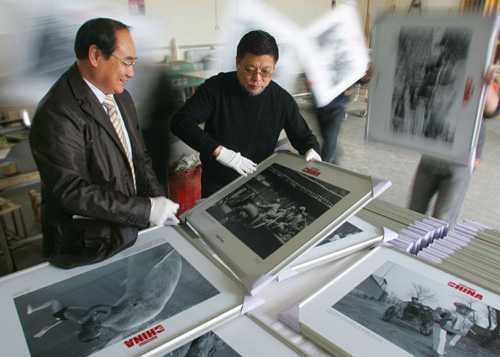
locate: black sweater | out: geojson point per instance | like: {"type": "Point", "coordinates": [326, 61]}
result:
{"type": "Point", "coordinates": [249, 124]}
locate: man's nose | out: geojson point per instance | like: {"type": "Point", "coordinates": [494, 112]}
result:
{"type": "Point", "coordinates": [257, 74]}
{"type": "Point", "coordinates": [130, 72]}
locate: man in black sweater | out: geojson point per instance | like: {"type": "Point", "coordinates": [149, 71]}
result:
{"type": "Point", "coordinates": [244, 113]}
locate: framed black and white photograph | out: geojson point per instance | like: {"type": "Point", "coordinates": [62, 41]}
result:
{"type": "Point", "coordinates": [158, 294]}
{"type": "Point", "coordinates": [333, 52]}
{"type": "Point", "coordinates": [257, 225]}
{"type": "Point", "coordinates": [391, 303]}
{"type": "Point", "coordinates": [428, 91]}
{"type": "Point", "coordinates": [235, 338]}
{"type": "Point", "coordinates": [353, 235]}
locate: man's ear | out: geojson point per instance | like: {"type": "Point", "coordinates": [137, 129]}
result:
{"type": "Point", "coordinates": [237, 62]}
{"type": "Point", "coordinates": [94, 55]}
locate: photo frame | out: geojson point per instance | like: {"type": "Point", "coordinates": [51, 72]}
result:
{"type": "Point", "coordinates": [282, 293]}
{"type": "Point", "coordinates": [353, 235]}
{"type": "Point", "coordinates": [235, 338]}
{"type": "Point", "coordinates": [392, 303]}
{"type": "Point", "coordinates": [333, 52]}
{"type": "Point", "coordinates": [156, 295]}
{"type": "Point", "coordinates": [257, 225]}
{"type": "Point", "coordinates": [427, 92]}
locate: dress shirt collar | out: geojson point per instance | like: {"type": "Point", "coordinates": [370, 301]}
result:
{"type": "Point", "coordinates": [98, 93]}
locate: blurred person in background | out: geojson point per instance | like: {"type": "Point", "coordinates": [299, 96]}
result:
{"type": "Point", "coordinates": [449, 181]}
{"type": "Point", "coordinates": [330, 118]}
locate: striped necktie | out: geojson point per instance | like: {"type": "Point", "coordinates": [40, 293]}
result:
{"type": "Point", "coordinates": [109, 103]}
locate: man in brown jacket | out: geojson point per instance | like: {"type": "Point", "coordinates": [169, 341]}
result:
{"type": "Point", "coordinates": [98, 186]}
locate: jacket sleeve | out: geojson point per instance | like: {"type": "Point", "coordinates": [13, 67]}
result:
{"type": "Point", "coordinates": [185, 124]}
{"type": "Point", "coordinates": [59, 140]}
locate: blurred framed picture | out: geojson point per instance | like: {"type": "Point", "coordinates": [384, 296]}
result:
{"type": "Point", "coordinates": [428, 92]}
{"type": "Point", "coordinates": [333, 53]}
{"type": "Point", "coordinates": [241, 20]}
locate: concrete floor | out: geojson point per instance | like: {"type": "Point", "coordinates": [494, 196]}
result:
{"type": "Point", "coordinates": [388, 162]}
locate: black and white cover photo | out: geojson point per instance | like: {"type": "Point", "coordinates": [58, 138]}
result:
{"type": "Point", "coordinates": [274, 206]}
{"type": "Point", "coordinates": [92, 311]}
{"type": "Point", "coordinates": [154, 296]}
{"type": "Point", "coordinates": [404, 306]}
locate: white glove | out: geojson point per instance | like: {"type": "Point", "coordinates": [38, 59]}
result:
{"type": "Point", "coordinates": [311, 154]}
{"type": "Point", "coordinates": [235, 161]}
{"type": "Point", "coordinates": [162, 211]}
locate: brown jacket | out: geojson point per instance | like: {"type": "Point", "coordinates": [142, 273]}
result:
{"type": "Point", "coordinates": [84, 172]}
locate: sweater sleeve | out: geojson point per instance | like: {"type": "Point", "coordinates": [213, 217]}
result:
{"type": "Point", "coordinates": [185, 124]}
{"type": "Point", "coordinates": [298, 132]}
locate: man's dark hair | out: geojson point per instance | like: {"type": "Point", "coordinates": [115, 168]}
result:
{"type": "Point", "coordinates": [259, 43]}
{"type": "Point", "coordinates": [99, 32]}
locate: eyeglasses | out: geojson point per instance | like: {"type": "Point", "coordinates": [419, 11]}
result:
{"type": "Point", "coordinates": [263, 74]}
{"type": "Point", "coordinates": [126, 63]}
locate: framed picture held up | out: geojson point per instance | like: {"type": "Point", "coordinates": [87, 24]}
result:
{"type": "Point", "coordinates": [333, 53]}
{"type": "Point", "coordinates": [427, 92]}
